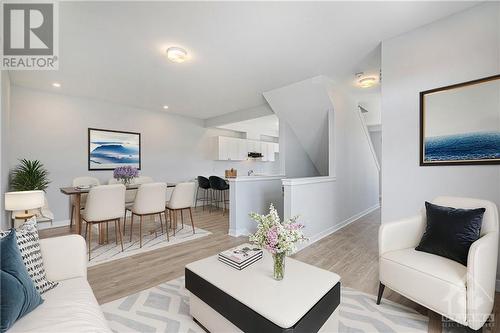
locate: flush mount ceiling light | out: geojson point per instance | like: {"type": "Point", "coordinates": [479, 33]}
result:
{"type": "Point", "coordinates": [56, 85]}
{"type": "Point", "coordinates": [365, 81]}
{"type": "Point", "coordinates": [176, 54]}
{"type": "Point", "coordinates": [165, 107]}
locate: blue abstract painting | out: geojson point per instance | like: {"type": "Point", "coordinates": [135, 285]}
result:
{"type": "Point", "coordinates": [463, 147]}
{"type": "Point", "coordinates": [111, 149]}
{"type": "Point", "coordinates": [461, 123]}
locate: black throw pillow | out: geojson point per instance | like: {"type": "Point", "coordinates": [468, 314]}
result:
{"type": "Point", "coordinates": [450, 232]}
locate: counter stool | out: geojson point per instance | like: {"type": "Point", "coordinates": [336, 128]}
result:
{"type": "Point", "coordinates": [203, 184]}
{"type": "Point", "coordinates": [219, 192]}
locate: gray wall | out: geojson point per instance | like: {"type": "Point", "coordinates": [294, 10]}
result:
{"type": "Point", "coordinates": [459, 48]}
{"type": "Point", "coordinates": [376, 137]}
{"type": "Point", "coordinates": [296, 162]}
{"type": "Point", "coordinates": [53, 129]}
{"type": "Point", "coordinates": [4, 147]}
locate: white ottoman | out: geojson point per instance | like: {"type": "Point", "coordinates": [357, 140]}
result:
{"type": "Point", "coordinates": [223, 299]}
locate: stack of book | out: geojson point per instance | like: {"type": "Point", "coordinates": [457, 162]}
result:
{"type": "Point", "coordinates": [241, 256]}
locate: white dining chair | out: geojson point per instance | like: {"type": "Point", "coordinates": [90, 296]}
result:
{"type": "Point", "coordinates": [143, 180]}
{"type": "Point", "coordinates": [105, 203]}
{"type": "Point", "coordinates": [149, 201]}
{"type": "Point", "coordinates": [181, 199]}
{"type": "Point", "coordinates": [130, 194]}
{"type": "Point", "coordinates": [82, 181]}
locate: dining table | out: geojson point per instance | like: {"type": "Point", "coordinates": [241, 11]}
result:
{"type": "Point", "coordinates": [76, 193]}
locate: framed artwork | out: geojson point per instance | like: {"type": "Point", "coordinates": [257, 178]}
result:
{"type": "Point", "coordinates": [109, 149]}
{"type": "Point", "coordinates": [460, 124]}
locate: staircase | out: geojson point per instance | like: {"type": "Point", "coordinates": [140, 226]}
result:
{"type": "Point", "coordinates": [304, 107]}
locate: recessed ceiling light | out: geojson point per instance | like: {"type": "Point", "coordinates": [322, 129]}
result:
{"type": "Point", "coordinates": [176, 54]}
{"type": "Point", "coordinates": [56, 85]}
{"type": "Point", "coordinates": [165, 107]}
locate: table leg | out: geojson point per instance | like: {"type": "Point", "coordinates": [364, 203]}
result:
{"type": "Point", "coordinates": [78, 222]}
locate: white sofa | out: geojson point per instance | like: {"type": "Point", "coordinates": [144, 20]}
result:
{"type": "Point", "coordinates": [462, 294]}
{"type": "Point", "coordinates": [71, 306]}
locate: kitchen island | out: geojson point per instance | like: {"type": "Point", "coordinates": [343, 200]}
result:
{"type": "Point", "coordinates": [252, 194]}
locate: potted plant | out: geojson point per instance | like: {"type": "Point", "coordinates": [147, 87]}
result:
{"type": "Point", "coordinates": [29, 175]}
{"type": "Point", "coordinates": [125, 174]}
{"type": "Point", "coordinates": [278, 237]}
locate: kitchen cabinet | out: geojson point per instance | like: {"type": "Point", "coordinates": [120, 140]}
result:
{"type": "Point", "coordinates": [236, 149]}
{"type": "Point", "coordinates": [254, 146]}
{"type": "Point", "coordinates": [230, 149]}
{"type": "Point", "coordinates": [276, 147]}
{"type": "Point", "coordinates": [268, 150]}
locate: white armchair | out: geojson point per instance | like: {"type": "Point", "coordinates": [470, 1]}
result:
{"type": "Point", "coordinates": [462, 294]}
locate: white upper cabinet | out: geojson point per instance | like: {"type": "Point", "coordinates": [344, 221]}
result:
{"type": "Point", "coordinates": [230, 149]}
{"type": "Point", "coordinates": [267, 149]}
{"type": "Point", "coordinates": [254, 146]}
{"type": "Point", "coordinates": [242, 149]}
{"type": "Point", "coordinates": [236, 149]}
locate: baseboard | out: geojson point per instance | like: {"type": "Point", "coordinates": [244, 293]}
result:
{"type": "Point", "coordinates": [337, 227]}
{"type": "Point", "coordinates": [55, 224]}
{"type": "Point", "coordinates": [238, 233]}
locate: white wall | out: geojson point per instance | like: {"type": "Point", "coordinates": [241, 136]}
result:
{"type": "Point", "coordinates": [252, 194]}
{"type": "Point", "coordinates": [459, 48]}
{"type": "Point", "coordinates": [304, 106]}
{"type": "Point", "coordinates": [372, 103]}
{"type": "Point", "coordinates": [376, 137]}
{"type": "Point", "coordinates": [53, 129]}
{"type": "Point", "coordinates": [295, 161]}
{"type": "Point", "coordinates": [355, 164]}
{"type": "Point", "coordinates": [4, 147]}
{"type": "Point", "coordinates": [241, 115]}
{"type": "Point", "coordinates": [325, 204]}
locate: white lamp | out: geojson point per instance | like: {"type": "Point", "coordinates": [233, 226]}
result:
{"type": "Point", "coordinates": [24, 200]}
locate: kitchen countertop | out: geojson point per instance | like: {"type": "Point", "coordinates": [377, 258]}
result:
{"type": "Point", "coordinates": [255, 178]}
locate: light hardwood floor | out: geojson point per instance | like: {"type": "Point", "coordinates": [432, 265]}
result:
{"type": "Point", "coordinates": [351, 252]}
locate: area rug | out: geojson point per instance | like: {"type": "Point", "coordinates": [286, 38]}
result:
{"type": "Point", "coordinates": [151, 241]}
{"type": "Point", "coordinates": [165, 308]}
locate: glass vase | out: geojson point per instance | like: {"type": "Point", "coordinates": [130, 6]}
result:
{"type": "Point", "coordinates": [279, 266]}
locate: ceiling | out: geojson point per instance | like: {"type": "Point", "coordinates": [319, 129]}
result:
{"type": "Point", "coordinates": [115, 51]}
{"type": "Point", "coordinates": [267, 125]}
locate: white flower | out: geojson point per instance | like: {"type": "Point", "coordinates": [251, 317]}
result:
{"type": "Point", "coordinates": [274, 235]}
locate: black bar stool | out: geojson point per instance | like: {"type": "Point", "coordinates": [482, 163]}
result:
{"type": "Point", "coordinates": [204, 184]}
{"type": "Point", "coordinates": [219, 191]}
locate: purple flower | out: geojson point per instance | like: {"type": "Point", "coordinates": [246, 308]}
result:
{"type": "Point", "coordinates": [295, 226]}
{"type": "Point", "coordinates": [272, 250]}
{"type": "Point", "coordinates": [272, 237]}
{"type": "Point", "coordinates": [125, 172]}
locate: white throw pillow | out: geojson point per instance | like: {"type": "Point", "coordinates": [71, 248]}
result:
{"type": "Point", "coordinates": [29, 246]}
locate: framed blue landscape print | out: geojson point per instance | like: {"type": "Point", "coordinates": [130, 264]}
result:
{"type": "Point", "coordinates": [109, 149]}
{"type": "Point", "coordinates": [460, 124]}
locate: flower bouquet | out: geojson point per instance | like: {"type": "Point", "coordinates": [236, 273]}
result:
{"type": "Point", "coordinates": [278, 237]}
{"type": "Point", "coordinates": [125, 174]}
